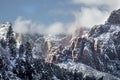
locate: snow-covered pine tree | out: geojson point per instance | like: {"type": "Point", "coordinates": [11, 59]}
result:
{"type": "Point", "coordinates": [3, 43]}
{"type": "Point", "coordinates": [11, 42]}
{"type": "Point", "coordinates": [21, 50]}
{"type": "Point", "coordinates": [28, 51]}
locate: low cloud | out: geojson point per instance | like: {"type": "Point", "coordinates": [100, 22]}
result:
{"type": "Point", "coordinates": [55, 28]}
{"type": "Point", "coordinates": [22, 25]}
{"type": "Point", "coordinates": [94, 12]}
{"type": "Point", "coordinates": [109, 4]}
{"type": "Point", "coordinates": [28, 26]}
{"type": "Point", "coordinates": [90, 16]}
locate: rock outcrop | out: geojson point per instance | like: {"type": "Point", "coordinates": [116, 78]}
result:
{"type": "Point", "coordinates": [114, 17]}
{"type": "Point", "coordinates": [100, 49]}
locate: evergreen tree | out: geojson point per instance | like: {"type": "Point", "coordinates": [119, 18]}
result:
{"type": "Point", "coordinates": [21, 50]}
{"type": "Point", "coordinates": [29, 60]}
{"type": "Point", "coordinates": [11, 42]}
{"type": "Point", "coordinates": [28, 52]}
{"type": "Point", "coordinates": [9, 33]}
{"type": "Point", "coordinates": [3, 43]}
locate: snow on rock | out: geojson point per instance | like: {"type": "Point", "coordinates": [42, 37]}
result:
{"type": "Point", "coordinates": [3, 30]}
{"type": "Point", "coordinates": [58, 37]}
{"type": "Point", "coordinates": [55, 78]}
{"type": "Point", "coordinates": [114, 17]}
{"type": "Point", "coordinates": [98, 50]}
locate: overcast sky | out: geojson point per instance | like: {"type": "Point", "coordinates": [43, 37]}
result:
{"type": "Point", "coordinates": [56, 13]}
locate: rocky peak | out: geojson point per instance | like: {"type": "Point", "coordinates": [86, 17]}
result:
{"type": "Point", "coordinates": [114, 17]}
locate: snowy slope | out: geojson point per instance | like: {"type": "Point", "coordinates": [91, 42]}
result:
{"type": "Point", "coordinates": [86, 70]}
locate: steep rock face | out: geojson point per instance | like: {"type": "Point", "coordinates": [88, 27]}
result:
{"type": "Point", "coordinates": [100, 49]}
{"type": "Point", "coordinates": [107, 47]}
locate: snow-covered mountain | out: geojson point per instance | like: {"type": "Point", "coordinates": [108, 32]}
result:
{"type": "Point", "coordinates": [62, 57]}
{"type": "Point", "coordinates": [99, 48]}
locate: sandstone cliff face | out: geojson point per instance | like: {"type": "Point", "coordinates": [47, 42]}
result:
{"type": "Point", "coordinates": [100, 49]}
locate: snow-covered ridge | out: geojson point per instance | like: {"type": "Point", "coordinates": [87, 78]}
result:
{"type": "Point", "coordinates": [86, 70]}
